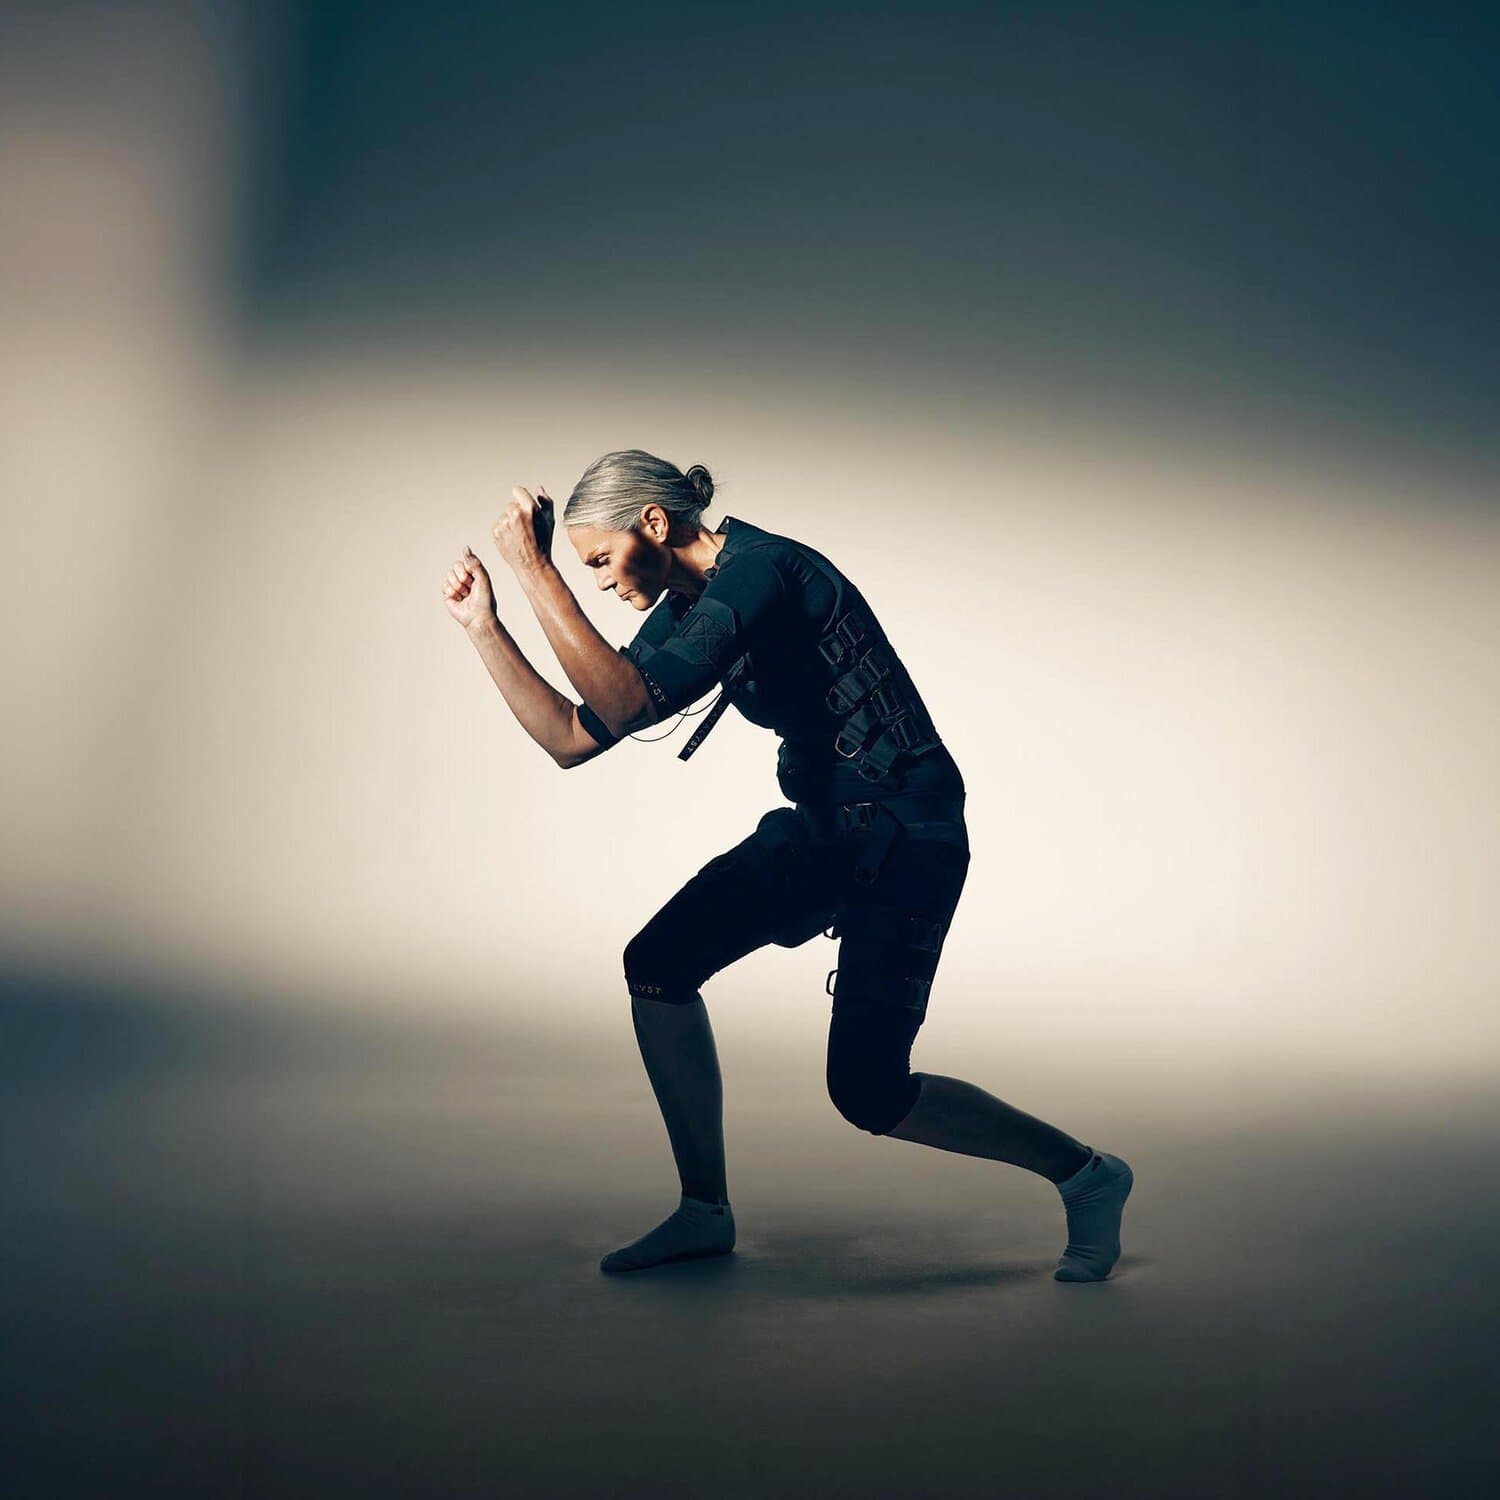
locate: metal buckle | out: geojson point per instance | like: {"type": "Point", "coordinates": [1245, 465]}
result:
{"type": "Point", "coordinates": [870, 992]}
{"type": "Point", "coordinates": [841, 699]}
{"type": "Point", "coordinates": [879, 759]}
{"type": "Point", "coordinates": [854, 816]}
{"type": "Point", "coordinates": [875, 665]}
{"type": "Point", "coordinates": [853, 733]}
{"type": "Point", "coordinates": [838, 744]}
{"type": "Point", "coordinates": [841, 640]}
{"type": "Point", "coordinates": [901, 730]}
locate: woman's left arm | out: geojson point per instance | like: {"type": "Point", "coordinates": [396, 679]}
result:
{"type": "Point", "coordinates": [601, 676]}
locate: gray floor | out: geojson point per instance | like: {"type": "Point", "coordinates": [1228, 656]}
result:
{"type": "Point", "coordinates": [283, 1259]}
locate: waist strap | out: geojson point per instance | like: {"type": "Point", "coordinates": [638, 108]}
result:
{"type": "Point", "coordinates": [880, 822]}
{"type": "Point", "coordinates": [914, 810]}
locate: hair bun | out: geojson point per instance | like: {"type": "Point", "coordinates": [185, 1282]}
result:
{"type": "Point", "coordinates": [702, 481]}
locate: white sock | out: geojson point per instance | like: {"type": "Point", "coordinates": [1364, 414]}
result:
{"type": "Point", "coordinates": [696, 1228]}
{"type": "Point", "coordinates": [1094, 1197]}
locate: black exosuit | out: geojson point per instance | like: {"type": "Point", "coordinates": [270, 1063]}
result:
{"type": "Point", "coordinates": [875, 850]}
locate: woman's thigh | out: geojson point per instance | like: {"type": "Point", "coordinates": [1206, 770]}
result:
{"type": "Point", "coordinates": [891, 937]}
{"type": "Point", "coordinates": [775, 886]}
{"type": "Point", "coordinates": [892, 930]}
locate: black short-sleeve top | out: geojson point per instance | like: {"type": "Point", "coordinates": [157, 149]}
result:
{"type": "Point", "coordinates": [767, 602]}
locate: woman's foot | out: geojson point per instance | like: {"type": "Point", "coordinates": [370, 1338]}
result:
{"type": "Point", "coordinates": [1094, 1197]}
{"type": "Point", "coordinates": [696, 1228]}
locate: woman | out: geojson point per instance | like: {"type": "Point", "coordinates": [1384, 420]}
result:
{"type": "Point", "coordinates": [874, 850]}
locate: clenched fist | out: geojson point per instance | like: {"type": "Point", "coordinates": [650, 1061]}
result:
{"type": "Point", "coordinates": [524, 533]}
{"type": "Point", "coordinates": [467, 592]}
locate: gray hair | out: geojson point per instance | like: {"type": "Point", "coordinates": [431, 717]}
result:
{"type": "Point", "coordinates": [616, 488]}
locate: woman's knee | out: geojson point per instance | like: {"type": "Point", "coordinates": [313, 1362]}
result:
{"type": "Point", "coordinates": [654, 970]}
{"type": "Point", "coordinates": [872, 1100]}
{"type": "Point", "coordinates": [869, 1064]}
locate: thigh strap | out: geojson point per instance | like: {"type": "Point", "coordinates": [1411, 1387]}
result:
{"type": "Point", "coordinates": [896, 926]}
{"type": "Point", "coordinates": [873, 987]}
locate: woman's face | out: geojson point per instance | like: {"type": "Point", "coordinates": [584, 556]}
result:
{"type": "Point", "coordinates": [634, 566]}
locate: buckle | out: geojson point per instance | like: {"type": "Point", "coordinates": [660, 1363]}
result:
{"type": "Point", "coordinates": [856, 815]}
{"type": "Point", "coordinates": [888, 702]}
{"type": "Point", "coordinates": [871, 991]}
{"type": "Point", "coordinates": [875, 664]}
{"type": "Point", "coordinates": [828, 983]}
{"type": "Point", "coordinates": [842, 639]}
{"type": "Point", "coordinates": [854, 734]}
{"type": "Point", "coordinates": [878, 759]}
{"type": "Point", "coordinates": [839, 698]}
{"type": "Point", "coordinates": [849, 630]}
{"type": "Point", "coordinates": [838, 744]}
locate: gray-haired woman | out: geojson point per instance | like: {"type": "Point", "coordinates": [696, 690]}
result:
{"type": "Point", "coordinates": [873, 849]}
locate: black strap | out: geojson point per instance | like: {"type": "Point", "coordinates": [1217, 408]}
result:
{"type": "Point", "coordinates": [895, 926]}
{"type": "Point", "coordinates": [731, 680]}
{"type": "Point", "coordinates": [858, 682]}
{"type": "Point", "coordinates": [856, 733]}
{"type": "Point", "coordinates": [914, 809]}
{"type": "Point", "coordinates": [878, 826]}
{"type": "Point", "coordinates": [875, 988]}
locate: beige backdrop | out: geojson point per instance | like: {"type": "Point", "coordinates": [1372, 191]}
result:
{"type": "Point", "coordinates": [1226, 709]}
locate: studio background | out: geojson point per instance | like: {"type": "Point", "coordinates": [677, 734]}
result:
{"type": "Point", "coordinates": [1137, 364]}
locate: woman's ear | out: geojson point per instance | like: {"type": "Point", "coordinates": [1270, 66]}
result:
{"type": "Point", "coordinates": [656, 523]}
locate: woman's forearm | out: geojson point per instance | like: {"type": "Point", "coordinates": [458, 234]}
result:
{"type": "Point", "coordinates": [600, 675]}
{"type": "Point", "coordinates": [543, 712]}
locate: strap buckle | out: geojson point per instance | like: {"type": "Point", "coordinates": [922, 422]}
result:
{"type": "Point", "coordinates": [855, 733]}
{"type": "Point", "coordinates": [853, 816]}
{"type": "Point", "coordinates": [842, 639]}
{"type": "Point", "coordinates": [892, 927]}
{"type": "Point", "coordinates": [876, 991]}
{"type": "Point", "coordinates": [859, 681]}
{"type": "Point", "coordinates": [880, 757]}
{"type": "Point", "coordinates": [888, 702]}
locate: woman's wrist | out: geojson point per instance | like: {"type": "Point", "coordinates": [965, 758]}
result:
{"type": "Point", "coordinates": [482, 628]}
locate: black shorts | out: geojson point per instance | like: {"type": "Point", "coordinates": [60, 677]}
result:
{"type": "Point", "coordinates": [795, 878]}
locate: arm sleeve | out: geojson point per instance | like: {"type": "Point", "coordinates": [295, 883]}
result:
{"type": "Point", "coordinates": [734, 611]}
{"type": "Point", "coordinates": [596, 727]}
